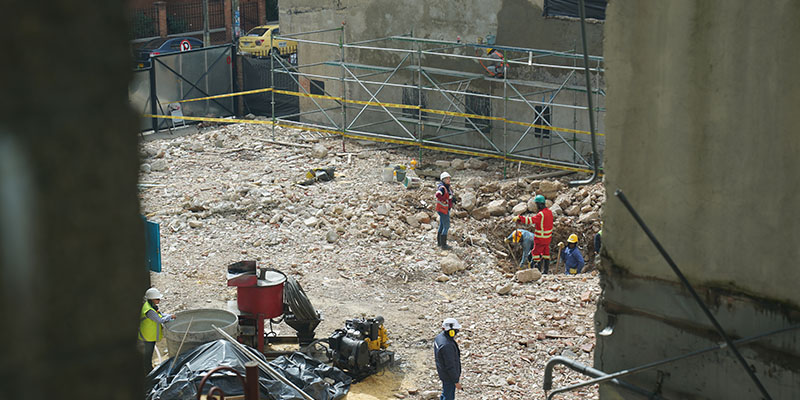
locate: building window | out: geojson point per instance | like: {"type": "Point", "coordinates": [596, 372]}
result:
{"type": "Point", "coordinates": [478, 105]}
{"type": "Point", "coordinates": [542, 118]}
{"type": "Point", "coordinates": [411, 98]}
{"type": "Point", "coordinates": [595, 9]}
{"type": "Point", "coordinates": [317, 87]}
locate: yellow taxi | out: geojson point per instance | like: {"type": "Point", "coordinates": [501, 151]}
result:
{"type": "Point", "coordinates": [257, 42]}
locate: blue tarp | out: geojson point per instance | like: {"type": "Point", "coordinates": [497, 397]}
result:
{"type": "Point", "coordinates": [152, 238]}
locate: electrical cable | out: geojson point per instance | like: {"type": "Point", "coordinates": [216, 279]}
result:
{"type": "Point", "coordinates": [298, 302]}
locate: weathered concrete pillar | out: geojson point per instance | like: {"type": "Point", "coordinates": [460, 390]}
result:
{"type": "Point", "coordinates": [71, 244]}
{"type": "Point", "coordinates": [702, 109]}
{"type": "Point", "coordinates": [161, 12]}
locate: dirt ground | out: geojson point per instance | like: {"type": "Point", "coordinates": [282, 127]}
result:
{"type": "Point", "coordinates": [228, 194]}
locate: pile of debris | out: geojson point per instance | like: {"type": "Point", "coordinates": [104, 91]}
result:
{"type": "Point", "coordinates": [360, 244]}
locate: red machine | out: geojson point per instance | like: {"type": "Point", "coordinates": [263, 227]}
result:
{"type": "Point", "coordinates": [259, 298]}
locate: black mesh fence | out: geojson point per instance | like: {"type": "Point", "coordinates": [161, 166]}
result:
{"type": "Point", "coordinates": [188, 17]}
{"type": "Point", "coordinates": [248, 16]}
{"type": "Point", "coordinates": [143, 22]}
{"type": "Point", "coordinates": [257, 75]}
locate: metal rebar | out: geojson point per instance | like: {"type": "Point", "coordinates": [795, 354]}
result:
{"type": "Point", "coordinates": [496, 46]}
{"type": "Point", "coordinates": [689, 287]}
{"type": "Point", "coordinates": [589, 371]}
{"type": "Point", "coordinates": [595, 162]}
{"type": "Point", "coordinates": [261, 363]}
{"type": "Point", "coordinates": [292, 35]}
{"type": "Point", "coordinates": [668, 360]}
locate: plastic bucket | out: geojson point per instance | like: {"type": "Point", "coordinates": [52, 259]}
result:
{"type": "Point", "coordinates": [387, 175]}
{"type": "Point", "coordinates": [200, 331]}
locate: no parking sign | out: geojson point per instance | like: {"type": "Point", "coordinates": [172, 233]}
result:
{"type": "Point", "coordinates": [185, 45]}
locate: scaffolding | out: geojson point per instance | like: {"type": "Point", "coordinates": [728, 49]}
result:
{"type": "Point", "coordinates": [441, 95]}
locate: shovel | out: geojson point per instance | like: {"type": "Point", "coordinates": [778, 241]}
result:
{"type": "Point", "coordinates": [558, 259]}
{"type": "Point", "coordinates": [513, 257]}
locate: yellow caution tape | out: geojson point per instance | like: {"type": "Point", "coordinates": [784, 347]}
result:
{"type": "Point", "coordinates": [220, 96]}
{"type": "Point", "coordinates": [374, 139]}
{"type": "Point", "coordinates": [395, 105]}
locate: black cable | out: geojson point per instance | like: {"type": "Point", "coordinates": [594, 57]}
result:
{"type": "Point", "coordinates": [297, 300]}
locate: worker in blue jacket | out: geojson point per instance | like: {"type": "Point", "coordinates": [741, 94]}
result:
{"type": "Point", "coordinates": [448, 358]}
{"type": "Point", "coordinates": [526, 238]}
{"type": "Point", "coordinates": [573, 259]}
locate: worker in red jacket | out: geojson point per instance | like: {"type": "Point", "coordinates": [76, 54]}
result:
{"type": "Point", "coordinates": [542, 233]}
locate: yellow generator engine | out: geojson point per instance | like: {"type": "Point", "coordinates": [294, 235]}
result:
{"type": "Point", "coordinates": [360, 348]}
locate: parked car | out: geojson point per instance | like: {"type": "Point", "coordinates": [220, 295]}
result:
{"type": "Point", "coordinates": [164, 46]}
{"type": "Point", "coordinates": [257, 42]}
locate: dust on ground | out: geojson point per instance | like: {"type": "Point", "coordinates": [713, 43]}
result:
{"type": "Point", "coordinates": [228, 194]}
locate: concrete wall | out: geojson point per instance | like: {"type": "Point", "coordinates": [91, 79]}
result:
{"type": "Point", "coordinates": [71, 242]}
{"type": "Point", "coordinates": [513, 22]}
{"type": "Point", "coordinates": [702, 106]}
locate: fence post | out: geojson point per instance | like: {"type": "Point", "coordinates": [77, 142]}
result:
{"type": "Point", "coordinates": [161, 13]}
{"type": "Point", "coordinates": [227, 8]}
{"type": "Point", "coordinates": [238, 80]}
{"type": "Point", "coordinates": [153, 96]}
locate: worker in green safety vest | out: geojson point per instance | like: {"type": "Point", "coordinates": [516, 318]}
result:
{"type": "Point", "coordinates": [151, 328]}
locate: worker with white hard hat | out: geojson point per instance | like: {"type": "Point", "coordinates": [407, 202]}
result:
{"type": "Point", "coordinates": [448, 358]}
{"type": "Point", "coordinates": [151, 328]}
{"type": "Point", "coordinates": [444, 202]}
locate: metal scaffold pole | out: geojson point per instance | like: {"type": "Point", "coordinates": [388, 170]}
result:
{"type": "Point", "coordinates": [272, 82]}
{"type": "Point", "coordinates": [419, 101]}
{"type": "Point", "coordinates": [442, 97]}
{"type": "Point", "coordinates": [505, 115]}
{"type": "Point", "coordinates": [344, 89]}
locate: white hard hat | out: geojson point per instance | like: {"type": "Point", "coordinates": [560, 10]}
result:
{"type": "Point", "coordinates": [152, 294]}
{"type": "Point", "coordinates": [451, 323]}
{"type": "Point", "coordinates": [444, 175]}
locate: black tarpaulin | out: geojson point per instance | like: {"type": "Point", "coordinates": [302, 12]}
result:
{"type": "Point", "coordinates": [569, 8]}
{"type": "Point", "coordinates": [257, 74]}
{"type": "Point", "coordinates": [179, 382]}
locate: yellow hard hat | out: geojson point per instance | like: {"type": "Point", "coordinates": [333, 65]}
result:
{"type": "Point", "coordinates": [517, 236]}
{"type": "Point", "coordinates": [572, 238]}
{"type": "Point", "coordinates": [489, 50]}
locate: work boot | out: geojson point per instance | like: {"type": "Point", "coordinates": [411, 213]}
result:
{"type": "Point", "coordinates": [438, 240]}
{"type": "Point", "coordinates": [444, 243]}
{"type": "Point", "coordinates": [546, 264]}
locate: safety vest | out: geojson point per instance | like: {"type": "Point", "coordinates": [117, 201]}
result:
{"type": "Point", "coordinates": [496, 54]}
{"type": "Point", "coordinates": [442, 206]}
{"type": "Point", "coordinates": [149, 330]}
{"type": "Point", "coordinates": [542, 225]}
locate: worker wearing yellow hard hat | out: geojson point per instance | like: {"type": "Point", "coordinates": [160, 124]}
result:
{"type": "Point", "coordinates": [497, 68]}
{"type": "Point", "coordinates": [525, 238]}
{"type": "Point", "coordinates": [573, 259]}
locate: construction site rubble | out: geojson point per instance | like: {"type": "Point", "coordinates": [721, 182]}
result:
{"type": "Point", "coordinates": [362, 244]}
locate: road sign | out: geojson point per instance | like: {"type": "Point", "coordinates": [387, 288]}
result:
{"type": "Point", "coordinates": [185, 45]}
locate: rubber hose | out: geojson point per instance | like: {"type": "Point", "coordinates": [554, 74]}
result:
{"type": "Point", "coordinates": [298, 301]}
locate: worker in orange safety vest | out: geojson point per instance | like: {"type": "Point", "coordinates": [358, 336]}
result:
{"type": "Point", "coordinates": [542, 233]}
